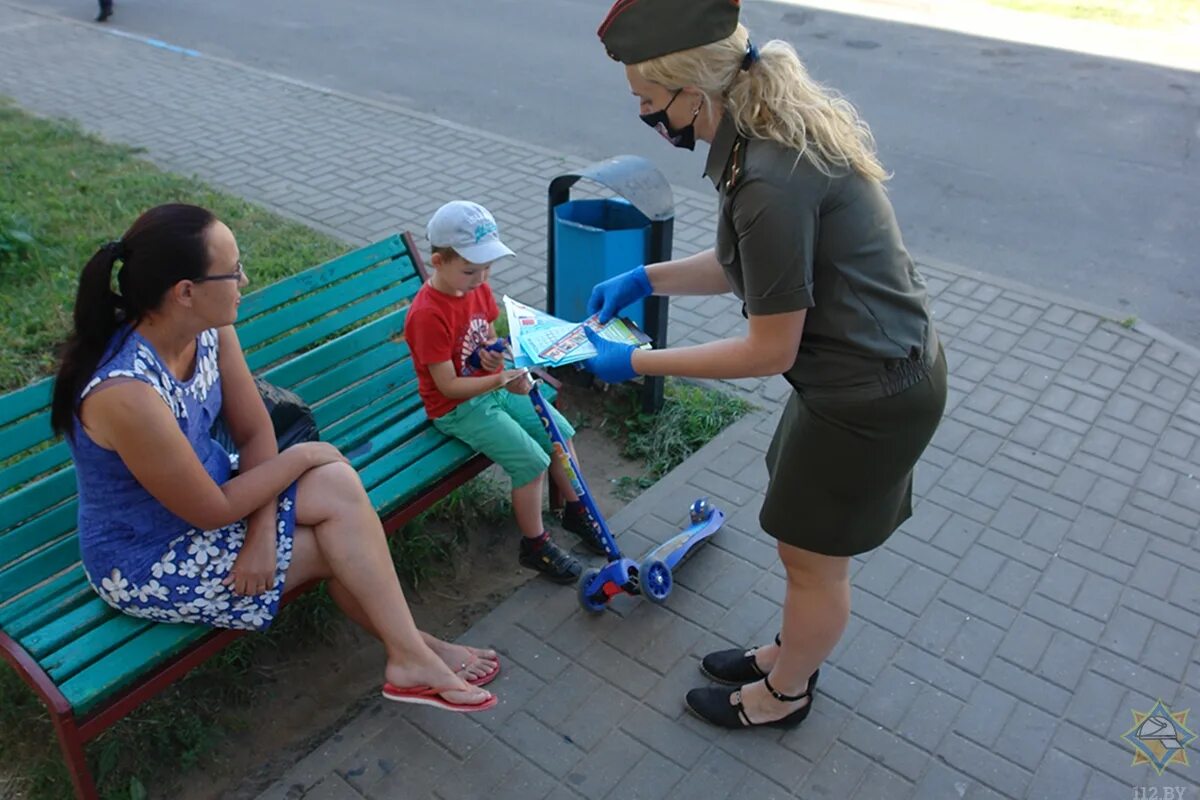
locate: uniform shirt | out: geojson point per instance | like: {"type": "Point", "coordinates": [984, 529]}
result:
{"type": "Point", "coordinates": [791, 238]}
{"type": "Point", "coordinates": [440, 327]}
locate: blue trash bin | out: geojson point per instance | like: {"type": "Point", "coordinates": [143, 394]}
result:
{"type": "Point", "coordinates": [595, 240]}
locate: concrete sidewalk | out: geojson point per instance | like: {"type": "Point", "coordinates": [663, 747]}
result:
{"type": "Point", "coordinates": [1048, 586]}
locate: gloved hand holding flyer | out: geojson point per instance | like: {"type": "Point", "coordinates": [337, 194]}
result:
{"type": "Point", "coordinates": [539, 339]}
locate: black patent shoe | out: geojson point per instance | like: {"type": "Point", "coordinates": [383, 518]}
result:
{"type": "Point", "coordinates": [733, 667]}
{"type": "Point", "coordinates": [724, 708]}
{"type": "Point", "coordinates": [106, 11]}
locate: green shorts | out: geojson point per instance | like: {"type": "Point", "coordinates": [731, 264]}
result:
{"type": "Point", "coordinates": [505, 428]}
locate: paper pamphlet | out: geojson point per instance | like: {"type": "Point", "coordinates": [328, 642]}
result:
{"type": "Point", "coordinates": [539, 339]}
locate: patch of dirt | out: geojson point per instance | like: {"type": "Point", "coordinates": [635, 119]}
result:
{"type": "Point", "coordinates": [304, 698]}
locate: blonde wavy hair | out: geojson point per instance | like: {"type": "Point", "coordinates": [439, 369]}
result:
{"type": "Point", "coordinates": [775, 99]}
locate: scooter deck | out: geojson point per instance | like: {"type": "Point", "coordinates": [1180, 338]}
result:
{"type": "Point", "coordinates": [673, 551]}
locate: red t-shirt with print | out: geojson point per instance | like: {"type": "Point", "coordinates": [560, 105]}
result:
{"type": "Point", "coordinates": [440, 328]}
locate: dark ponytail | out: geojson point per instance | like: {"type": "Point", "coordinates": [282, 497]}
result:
{"type": "Point", "coordinates": [165, 245]}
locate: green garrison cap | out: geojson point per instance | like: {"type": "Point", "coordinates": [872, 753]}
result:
{"type": "Point", "coordinates": [639, 30]}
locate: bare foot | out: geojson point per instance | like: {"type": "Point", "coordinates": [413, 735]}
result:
{"type": "Point", "coordinates": [429, 670]}
{"type": "Point", "coordinates": [467, 662]}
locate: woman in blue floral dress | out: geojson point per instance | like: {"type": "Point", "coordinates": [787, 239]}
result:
{"type": "Point", "coordinates": [167, 531]}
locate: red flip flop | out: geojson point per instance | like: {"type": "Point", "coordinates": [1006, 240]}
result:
{"type": "Point", "coordinates": [484, 680]}
{"type": "Point", "coordinates": [426, 696]}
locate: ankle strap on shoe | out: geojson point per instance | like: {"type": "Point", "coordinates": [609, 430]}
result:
{"type": "Point", "coordinates": [781, 697]}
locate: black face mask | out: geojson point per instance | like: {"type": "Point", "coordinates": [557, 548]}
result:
{"type": "Point", "coordinates": [684, 137]}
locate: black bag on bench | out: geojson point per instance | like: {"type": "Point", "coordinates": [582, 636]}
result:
{"type": "Point", "coordinates": [290, 415]}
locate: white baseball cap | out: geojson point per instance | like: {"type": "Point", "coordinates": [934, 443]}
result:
{"type": "Point", "coordinates": [470, 229]}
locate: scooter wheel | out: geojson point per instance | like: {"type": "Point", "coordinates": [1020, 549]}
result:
{"type": "Point", "coordinates": [592, 603]}
{"type": "Point", "coordinates": [654, 577]}
{"type": "Point", "coordinates": [701, 511]}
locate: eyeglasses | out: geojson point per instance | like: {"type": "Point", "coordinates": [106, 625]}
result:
{"type": "Point", "coordinates": [236, 275]}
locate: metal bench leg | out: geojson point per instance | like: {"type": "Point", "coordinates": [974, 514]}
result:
{"type": "Point", "coordinates": [71, 744]}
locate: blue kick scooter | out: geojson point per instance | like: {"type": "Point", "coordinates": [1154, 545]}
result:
{"type": "Point", "coordinates": [650, 577]}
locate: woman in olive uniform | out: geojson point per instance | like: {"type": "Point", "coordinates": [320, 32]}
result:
{"type": "Point", "coordinates": [807, 239]}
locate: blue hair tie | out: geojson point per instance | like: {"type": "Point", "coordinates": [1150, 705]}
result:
{"type": "Point", "coordinates": [751, 56]}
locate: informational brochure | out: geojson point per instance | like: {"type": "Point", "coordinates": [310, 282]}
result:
{"type": "Point", "coordinates": [539, 339]}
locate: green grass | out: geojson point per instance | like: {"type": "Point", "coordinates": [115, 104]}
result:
{"type": "Point", "coordinates": [63, 193]}
{"type": "Point", "coordinates": [1166, 14]}
{"type": "Point", "coordinates": [690, 417]}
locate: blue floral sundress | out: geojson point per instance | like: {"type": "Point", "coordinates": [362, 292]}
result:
{"type": "Point", "coordinates": [142, 559]}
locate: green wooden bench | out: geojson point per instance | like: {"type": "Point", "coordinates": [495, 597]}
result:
{"type": "Point", "coordinates": [313, 333]}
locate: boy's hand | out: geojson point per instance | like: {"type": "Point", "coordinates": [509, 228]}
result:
{"type": "Point", "coordinates": [518, 381]}
{"type": "Point", "coordinates": [491, 357]}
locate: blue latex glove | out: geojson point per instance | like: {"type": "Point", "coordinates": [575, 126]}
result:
{"type": "Point", "coordinates": [614, 294]}
{"type": "Point", "coordinates": [613, 362]}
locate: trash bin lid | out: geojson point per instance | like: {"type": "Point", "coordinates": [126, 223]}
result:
{"type": "Point", "coordinates": [632, 177]}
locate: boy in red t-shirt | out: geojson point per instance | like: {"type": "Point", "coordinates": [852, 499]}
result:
{"type": "Point", "coordinates": [469, 395]}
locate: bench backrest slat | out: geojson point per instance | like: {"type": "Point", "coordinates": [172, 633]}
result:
{"type": "Point", "coordinates": [38, 532]}
{"type": "Point", "coordinates": [23, 402]}
{"type": "Point", "coordinates": [312, 307]}
{"type": "Point", "coordinates": [30, 467]}
{"type": "Point", "coordinates": [36, 498]}
{"type": "Point", "coordinates": [334, 414]}
{"type": "Point", "coordinates": [312, 279]}
{"type": "Point", "coordinates": [372, 419]}
{"type": "Point", "coordinates": [298, 341]}
{"type": "Point", "coordinates": [321, 358]}
{"type": "Point", "coordinates": [388, 440]}
{"type": "Point", "coordinates": [434, 465]}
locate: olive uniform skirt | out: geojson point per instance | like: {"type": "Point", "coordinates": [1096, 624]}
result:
{"type": "Point", "coordinates": [841, 471]}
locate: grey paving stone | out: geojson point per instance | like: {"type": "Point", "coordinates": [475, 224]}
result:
{"type": "Point", "coordinates": [1095, 703]}
{"type": "Point", "coordinates": [885, 748]}
{"type": "Point", "coordinates": [653, 778]}
{"type": "Point", "coordinates": [869, 652]}
{"type": "Point", "coordinates": [590, 722]}
{"type": "Point", "coordinates": [761, 751]}
{"type": "Point", "coordinates": [995, 772]}
{"type": "Point", "coordinates": [1098, 597]}
{"type": "Point", "coordinates": [602, 769]}
{"type": "Point", "coordinates": [1060, 777]}
{"type": "Point", "coordinates": [1029, 687]}
{"type": "Point", "coordinates": [332, 787]}
{"type": "Point", "coordinates": [880, 783]}
{"type": "Point", "coordinates": [718, 776]}
{"type": "Point", "coordinates": [1026, 641]}
{"type": "Point", "coordinates": [929, 718]}
{"type": "Point", "coordinates": [1167, 651]}
{"type": "Point", "coordinates": [942, 781]}
{"type": "Point", "coordinates": [837, 776]}
{"type": "Point", "coordinates": [890, 697]}
{"type": "Point", "coordinates": [395, 759]}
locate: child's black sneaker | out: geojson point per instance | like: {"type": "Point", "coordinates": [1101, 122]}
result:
{"type": "Point", "coordinates": [549, 559]}
{"type": "Point", "coordinates": [579, 522]}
